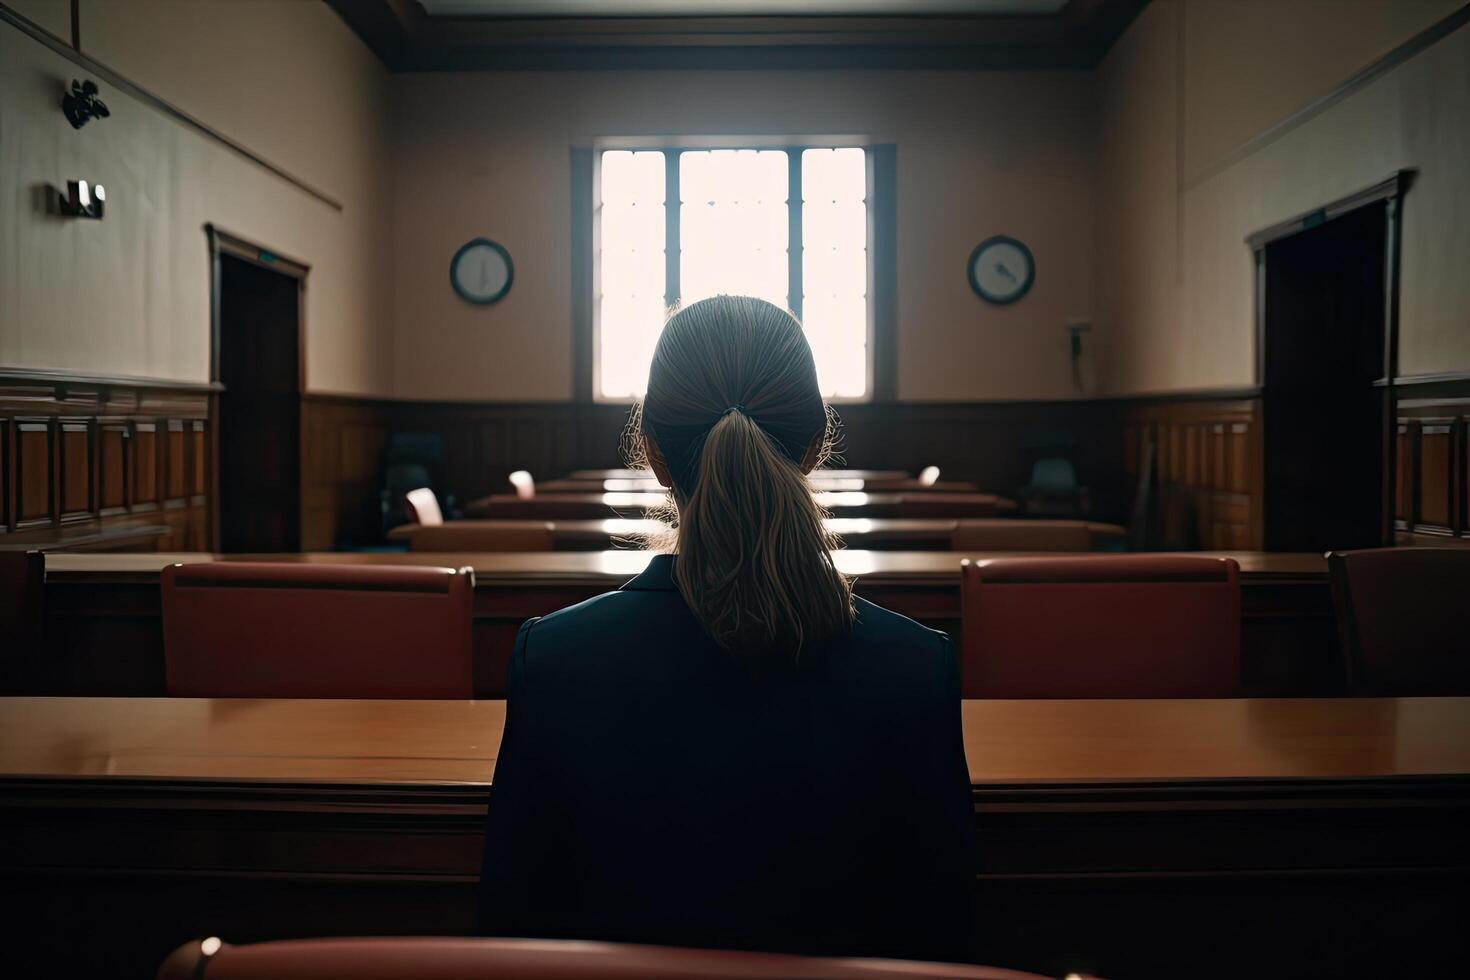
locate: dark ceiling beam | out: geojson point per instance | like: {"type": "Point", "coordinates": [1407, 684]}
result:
{"type": "Point", "coordinates": [408, 40]}
{"type": "Point", "coordinates": [388, 27]}
{"type": "Point", "coordinates": [1097, 24]}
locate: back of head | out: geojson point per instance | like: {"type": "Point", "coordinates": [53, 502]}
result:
{"type": "Point", "coordinates": [734, 411]}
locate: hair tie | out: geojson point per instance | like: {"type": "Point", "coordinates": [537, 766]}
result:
{"type": "Point", "coordinates": [734, 408]}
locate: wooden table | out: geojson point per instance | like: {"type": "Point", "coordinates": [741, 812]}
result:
{"type": "Point", "coordinates": [1122, 836]}
{"type": "Point", "coordinates": [90, 536]}
{"type": "Point", "coordinates": [823, 481]}
{"type": "Point", "coordinates": [860, 533]}
{"type": "Point", "coordinates": [103, 633]}
{"type": "Point", "coordinates": [838, 474]}
{"type": "Point", "coordinates": [597, 505]}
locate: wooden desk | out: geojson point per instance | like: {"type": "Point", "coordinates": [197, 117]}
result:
{"type": "Point", "coordinates": [595, 505]}
{"type": "Point", "coordinates": [1122, 836]}
{"type": "Point", "coordinates": [838, 474]}
{"type": "Point", "coordinates": [89, 537]}
{"type": "Point", "coordinates": [823, 481]}
{"type": "Point", "coordinates": [103, 634]}
{"type": "Point", "coordinates": [859, 533]}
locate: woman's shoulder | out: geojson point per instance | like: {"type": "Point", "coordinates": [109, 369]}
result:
{"type": "Point", "coordinates": [873, 623]}
{"type": "Point", "coordinates": [608, 628]}
{"type": "Point", "coordinates": [885, 644]}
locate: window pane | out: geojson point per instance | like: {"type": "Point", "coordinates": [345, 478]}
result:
{"type": "Point", "coordinates": [733, 224]}
{"type": "Point", "coordinates": [733, 233]}
{"type": "Point", "coordinates": [834, 175]}
{"type": "Point", "coordinates": [834, 225]}
{"type": "Point", "coordinates": [837, 328]}
{"type": "Point", "coordinates": [630, 269]}
{"type": "Point", "coordinates": [628, 178]}
{"type": "Point", "coordinates": [630, 327]}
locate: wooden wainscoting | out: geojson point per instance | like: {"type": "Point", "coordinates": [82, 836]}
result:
{"type": "Point", "coordinates": [1432, 461]}
{"type": "Point", "coordinates": [1207, 469]}
{"type": "Point", "coordinates": [90, 463]}
{"type": "Point", "coordinates": [342, 443]}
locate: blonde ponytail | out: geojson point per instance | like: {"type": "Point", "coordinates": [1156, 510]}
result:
{"type": "Point", "coordinates": [734, 409]}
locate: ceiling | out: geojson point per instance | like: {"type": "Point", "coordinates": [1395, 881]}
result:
{"type": "Point", "coordinates": [580, 35]}
{"type": "Point", "coordinates": [735, 8]}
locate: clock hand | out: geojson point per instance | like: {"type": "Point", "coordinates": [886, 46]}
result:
{"type": "Point", "coordinates": [484, 272]}
{"type": "Point", "coordinates": [1000, 267]}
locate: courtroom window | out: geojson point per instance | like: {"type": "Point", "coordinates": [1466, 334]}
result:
{"type": "Point", "coordinates": [788, 224]}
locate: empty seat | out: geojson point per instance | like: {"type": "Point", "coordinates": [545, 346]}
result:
{"type": "Point", "coordinates": [1002, 534]}
{"type": "Point", "coordinates": [1053, 489]}
{"type": "Point", "coordinates": [482, 536]}
{"type": "Point", "coordinates": [422, 507]}
{"type": "Point", "coordinates": [1404, 620]}
{"type": "Point", "coordinates": [529, 959]}
{"type": "Point", "coordinates": [277, 630]}
{"type": "Point", "coordinates": [1101, 626]}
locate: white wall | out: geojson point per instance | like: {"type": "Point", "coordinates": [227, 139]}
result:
{"type": "Point", "coordinates": [978, 154]}
{"type": "Point", "coordinates": [130, 294]}
{"type": "Point", "coordinates": [1180, 196]}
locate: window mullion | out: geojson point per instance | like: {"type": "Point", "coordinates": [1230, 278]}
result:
{"type": "Point", "coordinates": [793, 234]}
{"type": "Point", "coordinates": [671, 227]}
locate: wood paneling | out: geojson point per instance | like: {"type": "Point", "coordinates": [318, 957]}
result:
{"type": "Point", "coordinates": [199, 458]}
{"type": "Point", "coordinates": [175, 486]}
{"type": "Point", "coordinates": [76, 470]}
{"type": "Point", "coordinates": [1436, 475]}
{"type": "Point", "coordinates": [91, 462]}
{"type": "Point", "coordinates": [145, 470]}
{"type": "Point", "coordinates": [114, 444]}
{"type": "Point", "coordinates": [1207, 477]}
{"type": "Point", "coordinates": [1403, 467]}
{"type": "Point", "coordinates": [343, 443]}
{"type": "Point", "coordinates": [1432, 461]}
{"type": "Point", "coordinates": [34, 474]}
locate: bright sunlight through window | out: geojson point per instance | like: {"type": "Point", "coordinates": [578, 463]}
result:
{"type": "Point", "coordinates": [729, 213]}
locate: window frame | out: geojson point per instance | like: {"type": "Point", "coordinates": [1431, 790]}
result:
{"type": "Point", "coordinates": [586, 213]}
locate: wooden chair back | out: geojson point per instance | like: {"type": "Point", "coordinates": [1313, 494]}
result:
{"type": "Point", "coordinates": [1101, 626]}
{"type": "Point", "coordinates": [456, 958]}
{"type": "Point", "coordinates": [1403, 615]}
{"type": "Point", "coordinates": [283, 630]}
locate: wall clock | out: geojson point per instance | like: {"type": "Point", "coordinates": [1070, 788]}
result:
{"type": "Point", "coordinates": [481, 271]}
{"type": "Point", "coordinates": [1001, 270]}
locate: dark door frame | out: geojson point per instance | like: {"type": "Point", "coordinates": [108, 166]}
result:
{"type": "Point", "coordinates": [223, 243]}
{"type": "Point", "coordinates": [1391, 192]}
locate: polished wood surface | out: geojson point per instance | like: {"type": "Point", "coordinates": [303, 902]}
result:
{"type": "Point", "coordinates": [117, 536]}
{"type": "Point", "coordinates": [103, 632]}
{"type": "Point", "coordinates": [823, 480]}
{"type": "Point", "coordinates": [1243, 828]}
{"type": "Point", "coordinates": [448, 742]}
{"type": "Point", "coordinates": [835, 474]}
{"type": "Point", "coordinates": [615, 567]}
{"type": "Point", "coordinates": [841, 503]}
{"type": "Point", "coordinates": [886, 533]}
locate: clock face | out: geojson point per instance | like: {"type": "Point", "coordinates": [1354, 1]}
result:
{"type": "Point", "coordinates": [481, 271]}
{"type": "Point", "coordinates": [1001, 269]}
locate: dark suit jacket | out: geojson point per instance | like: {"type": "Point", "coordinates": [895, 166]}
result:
{"type": "Point", "coordinates": [653, 788]}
